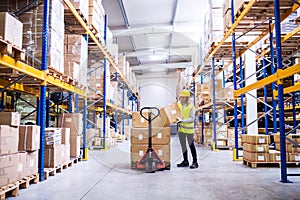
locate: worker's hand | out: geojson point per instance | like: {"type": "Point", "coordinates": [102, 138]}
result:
{"type": "Point", "coordinates": [179, 120]}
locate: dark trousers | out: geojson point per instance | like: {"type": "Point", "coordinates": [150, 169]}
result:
{"type": "Point", "coordinates": [190, 138]}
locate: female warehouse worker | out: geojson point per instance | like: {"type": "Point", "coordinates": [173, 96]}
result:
{"type": "Point", "coordinates": [186, 129]}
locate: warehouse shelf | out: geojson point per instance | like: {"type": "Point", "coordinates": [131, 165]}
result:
{"type": "Point", "coordinates": [39, 76]}
{"type": "Point", "coordinates": [254, 22]}
{"type": "Point", "coordinates": [105, 53]}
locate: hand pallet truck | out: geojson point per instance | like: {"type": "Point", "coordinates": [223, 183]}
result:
{"type": "Point", "coordinates": [150, 161]}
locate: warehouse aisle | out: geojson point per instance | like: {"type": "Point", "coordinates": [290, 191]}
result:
{"type": "Point", "coordinates": [107, 175]}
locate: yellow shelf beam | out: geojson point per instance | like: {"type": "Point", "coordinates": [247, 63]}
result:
{"type": "Point", "coordinates": [101, 47]}
{"type": "Point", "coordinates": [290, 89]}
{"type": "Point", "coordinates": [280, 74]}
{"type": "Point", "coordinates": [38, 74]}
{"type": "Point", "coordinates": [20, 88]}
{"type": "Point", "coordinates": [118, 108]}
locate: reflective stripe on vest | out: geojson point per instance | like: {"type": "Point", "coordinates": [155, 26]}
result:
{"type": "Point", "coordinates": [187, 128]}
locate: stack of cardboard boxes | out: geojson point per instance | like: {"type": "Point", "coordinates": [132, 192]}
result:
{"type": "Point", "coordinates": [18, 150]}
{"type": "Point", "coordinates": [32, 21]}
{"type": "Point", "coordinates": [256, 148]}
{"type": "Point", "coordinates": [73, 121]}
{"type": "Point", "coordinates": [57, 146]}
{"type": "Point", "coordinates": [75, 49]}
{"type": "Point", "coordinates": [292, 152]}
{"type": "Point", "coordinates": [160, 133]}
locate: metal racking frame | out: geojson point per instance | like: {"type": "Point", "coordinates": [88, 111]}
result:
{"type": "Point", "coordinates": [280, 13]}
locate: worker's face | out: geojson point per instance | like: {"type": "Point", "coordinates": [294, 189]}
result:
{"type": "Point", "coordinates": [183, 99]}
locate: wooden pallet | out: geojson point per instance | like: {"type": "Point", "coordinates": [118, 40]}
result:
{"type": "Point", "coordinates": [6, 47]}
{"type": "Point", "coordinates": [14, 188]}
{"type": "Point", "coordinates": [75, 160]}
{"type": "Point", "coordinates": [52, 171]}
{"type": "Point", "coordinates": [9, 190]}
{"type": "Point", "coordinates": [268, 164]}
{"type": "Point", "coordinates": [56, 74]}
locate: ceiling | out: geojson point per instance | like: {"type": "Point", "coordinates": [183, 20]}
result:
{"type": "Point", "coordinates": [157, 34]}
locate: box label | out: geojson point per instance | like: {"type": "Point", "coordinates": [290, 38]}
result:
{"type": "Point", "coordinates": [142, 120]}
{"type": "Point", "coordinates": [160, 152]}
{"type": "Point", "coordinates": [159, 135]}
{"type": "Point", "coordinates": [140, 137]}
{"type": "Point", "coordinates": [173, 112]}
{"type": "Point", "coordinates": [260, 149]}
{"type": "Point", "coordinates": [297, 158]}
{"type": "Point", "coordinates": [260, 158]}
{"type": "Point", "coordinates": [68, 119]}
{"type": "Point", "coordinates": [20, 167]}
{"type": "Point", "coordinates": [141, 152]}
{"type": "Point", "coordinates": [261, 140]}
{"type": "Point", "coordinates": [31, 163]}
{"type": "Point", "coordinates": [277, 158]}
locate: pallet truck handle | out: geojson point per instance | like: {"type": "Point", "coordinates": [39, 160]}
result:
{"type": "Point", "coordinates": [150, 112]}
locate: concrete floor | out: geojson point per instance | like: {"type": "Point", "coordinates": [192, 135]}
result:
{"type": "Point", "coordinates": [107, 175]}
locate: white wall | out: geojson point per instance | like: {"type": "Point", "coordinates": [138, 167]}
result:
{"type": "Point", "coordinates": [157, 89]}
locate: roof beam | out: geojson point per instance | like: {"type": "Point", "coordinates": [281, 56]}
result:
{"type": "Point", "coordinates": [124, 14]}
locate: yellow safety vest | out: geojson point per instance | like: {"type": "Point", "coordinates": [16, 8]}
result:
{"type": "Point", "coordinates": [187, 128]}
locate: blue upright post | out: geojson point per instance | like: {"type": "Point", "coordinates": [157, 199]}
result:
{"type": "Point", "coordinates": [214, 102]}
{"type": "Point", "coordinates": [48, 111]}
{"type": "Point", "coordinates": [202, 114]}
{"type": "Point", "coordinates": [2, 101]}
{"type": "Point", "coordinates": [76, 103]}
{"type": "Point", "coordinates": [104, 87]}
{"type": "Point", "coordinates": [266, 99]}
{"type": "Point", "coordinates": [123, 106]}
{"type": "Point", "coordinates": [223, 75]}
{"type": "Point", "coordinates": [43, 90]}
{"type": "Point", "coordinates": [234, 83]}
{"type": "Point", "coordinates": [70, 102]}
{"type": "Point", "coordinates": [274, 104]}
{"type": "Point", "coordinates": [242, 96]}
{"type": "Point", "coordinates": [280, 93]}
{"type": "Point", "coordinates": [84, 129]}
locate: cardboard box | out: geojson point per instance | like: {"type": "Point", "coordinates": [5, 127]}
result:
{"type": "Point", "coordinates": [21, 165]}
{"type": "Point", "coordinates": [75, 146]}
{"type": "Point", "coordinates": [289, 148]}
{"type": "Point", "coordinates": [256, 157]}
{"type": "Point", "coordinates": [294, 157]}
{"type": "Point", "coordinates": [32, 160]}
{"type": "Point", "coordinates": [256, 139]}
{"type": "Point", "coordinates": [10, 118]}
{"type": "Point", "coordinates": [53, 137]}
{"type": "Point", "coordinates": [29, 138]}
{"type": "Point", "coordinates": [97, 141]}
{"type": "Point", "coordinates": [221, 142]}
{"type": "Point", "coordinates": [138, 121]}
{"type": "Point", "coordinates": [170, 113]}
{"type": "Point", "coordinates": [11, 29]}
{"type": "Point", "coordinates": [231, 142]}
{"type": "Point", "coordinates": [9, 139]}
{"type": "Point", "coordinates": [294, 137]}
{"type": "Point", "coordinates": [274, 156]}
{"type": "Point", "coordinates": [256, 148]}
{"type": "Point", "coordinates": [222, 135]}
{"type": "Point", "coordinates": [219, 89]}
{"type": "Point", "coordinates": [8, 166]}
{"type": "Point", "coordinates": [52, 157]}
{"type": "Point", "coordinates": [160, 135]}
{"type": "Point", "coordinates": [157, 122]}
{"type": "Point", "coordinates": [65, 136]}
{"type": "Point", "coordinates": [137, 152]}
{"type": "Point", "coordinates": [74, 121]}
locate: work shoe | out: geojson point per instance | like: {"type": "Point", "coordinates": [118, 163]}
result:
{"type": "Point", "coordinates": [183, 164]}
{"type": "Point", "coordinates": [194, 165]}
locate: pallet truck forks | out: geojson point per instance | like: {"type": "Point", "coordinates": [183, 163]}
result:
{"type": "Point", "coordinates": [150, 161]}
